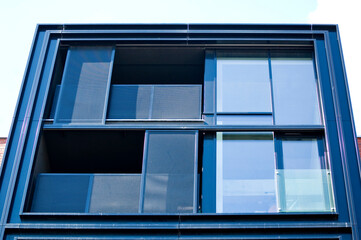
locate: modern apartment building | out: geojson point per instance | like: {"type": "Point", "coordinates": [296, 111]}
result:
{"type": "Point", "coordinates": [182, 131]}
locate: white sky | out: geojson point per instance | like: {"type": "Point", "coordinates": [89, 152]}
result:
{"type": "Point", "coordinates": [18, 19]}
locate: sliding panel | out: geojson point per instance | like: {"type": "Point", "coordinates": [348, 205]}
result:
{"type": "Point", "coordinates": [170, 172]}
{"type": "Point", "coordinates": [84, 85]}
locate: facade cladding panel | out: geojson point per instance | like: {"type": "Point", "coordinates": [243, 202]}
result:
{"type": "Point", "coordinates": [183, 131]}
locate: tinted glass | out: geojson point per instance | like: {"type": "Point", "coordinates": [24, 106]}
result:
{"type": "Point", "coordinates": [295, 91]}
{"type": "Point", "coordinates": [84, 85]}
{"type": "Point", "coordinates": [245, 173]}
{"type": "Point", "coordinates": [243, 85]}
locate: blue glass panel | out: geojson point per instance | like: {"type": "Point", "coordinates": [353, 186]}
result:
{"type": "Point", "coordinates": [244, 120]}
{"type": "Point", "coordinates": [60, 193]}
{"type": "Point", "coordinates": [245, 175]}
{"type": "Point", "coordinates": [301, 153]}
{"type": "Point", "coordinates": [295, 91]}
{"type": "Point", "coordinates": [243, 85]}
{"type": "Point", "coordinates": [155, 102]}
{"type": "Point", "coordinates": [84, 85]}
{"type": "Point", "coordinates": [170, 172]}
{"type": "Point", "coordinates": [115, 193]}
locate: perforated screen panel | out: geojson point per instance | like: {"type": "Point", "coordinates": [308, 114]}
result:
{"type": "Point", "coordinates": [115, 193]}
{"type": "Point", "coordinates": [170, 172]}
{"type": "Point", "coordinates": [84, 85]}
{"type": "Point", "coordinates": [155, 102]}
{"type": "Point", "coordinates": [60, 193]}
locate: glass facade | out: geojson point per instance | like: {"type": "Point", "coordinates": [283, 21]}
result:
{"type": "Point", "coordinates": [182, 131]}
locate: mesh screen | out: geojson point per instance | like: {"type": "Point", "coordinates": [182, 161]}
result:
{"type": "Point", "coordinates": [115, 194]}
{"type": "Point", "coordinates": [169, 173]}
{"type": "Point", "coordinates": [84, 85]}
{"type": "Point", "coordinates": [155, 102]}
{"type": "Point", "coordinates": [60, 193]}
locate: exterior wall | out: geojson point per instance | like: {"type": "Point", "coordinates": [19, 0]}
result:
{"type": "Point", "coordinates": [359, 144]}
{"type": "Point", "coordinates": [32, 127]}
{"type": "Point", "coordinates": [2, 148]}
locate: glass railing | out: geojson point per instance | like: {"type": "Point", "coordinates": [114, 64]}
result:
{"type": "Point", "coordinates": [304, 190]}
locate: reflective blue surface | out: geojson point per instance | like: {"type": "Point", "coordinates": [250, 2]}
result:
{"type": "Point", "coordinates": [295, 91]}
{"type": "Point", "coordinates": [243, 85]}
{"type": "Point", "coordinates": [245, 175]}
{"type": "Point", "coordinates": [244, 120]}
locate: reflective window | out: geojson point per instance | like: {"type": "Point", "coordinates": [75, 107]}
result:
{"type": "Point", "coordinates": [245, 173]}
{"type": "Point", "coordinates": [243, 85]}
{"type": "Point", "coordinates": [295, 90]}
{"type": "Point", "coordinates": [251, 180]}
{"type": "Point", "coordinates": [282, 85]}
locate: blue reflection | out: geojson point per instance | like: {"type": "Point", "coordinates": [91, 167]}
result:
{"type": "Point", "coordinates": [243, 85]}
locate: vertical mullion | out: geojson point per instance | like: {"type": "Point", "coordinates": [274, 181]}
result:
{"type": "Point", "coordinates": [215, 88]}
{"type": "Point", "coordinates": [280, 176]}
{"type": "Point", "coordinates": [271, 83]}
{"type": "Point", "coordinates": [195, 186]}
{"type": "Point", "coordinates": [107, 94]}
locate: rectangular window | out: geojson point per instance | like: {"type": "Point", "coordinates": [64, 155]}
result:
{"type": "Point", "coordinates": [245, 172]}
{"type": "Point", "coordinates": [243, 84]}
{"type": "Point", "coordinates": [266, 88]}
{"type": "Point", "coordinates": [295, 89]}
{"type": "Point", "coordinates": [259, 173]}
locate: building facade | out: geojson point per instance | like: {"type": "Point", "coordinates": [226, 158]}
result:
{"type": "Point", "coordinates": [182, 131]}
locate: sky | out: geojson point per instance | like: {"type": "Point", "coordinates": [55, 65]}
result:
{"type": "Point", "coordinates": [18, 19]}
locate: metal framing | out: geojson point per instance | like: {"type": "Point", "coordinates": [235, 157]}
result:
{"type": "Point", "coordinates": [339, 133]}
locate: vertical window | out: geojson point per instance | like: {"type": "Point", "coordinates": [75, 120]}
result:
{"type": "Point", "coordinates": [245, 172]}
{"type": "Point", "coordinates": [295, 89]}
{"type": "Point", "coordinates": [243, 89]}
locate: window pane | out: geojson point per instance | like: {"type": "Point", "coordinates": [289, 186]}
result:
{"type": "Point", "coordinates": [305, 190]}
{"type": "Point", "coordinates": [304, 181]}
{"type": "Point", "coordinates": [244, 120]}
{"type": "Point", "coordinates": [84, 85]}
{"type": "Point", "coordinates": [295, 91]}
{"type": "Point", "coordinates": [243, 85]}
{"type": "Point", "coordinates": [245, 173]}
{"type": "Point", "coordinates": [170, 172]}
